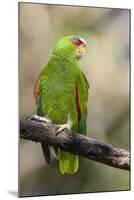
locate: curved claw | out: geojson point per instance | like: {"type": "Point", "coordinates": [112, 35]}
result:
{"type": "Point", "coordinates": [41, 119]}
{"type": "Point", "coordinates": [62, 127]}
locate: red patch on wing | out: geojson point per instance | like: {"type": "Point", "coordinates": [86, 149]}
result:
{"type": "Point", "coordinates": [36, 86]}
{"type": "Point", "coordinates": [77, 101]}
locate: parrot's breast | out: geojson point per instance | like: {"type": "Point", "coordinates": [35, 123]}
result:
{"type": "Point", "coordinates": [57, 93]}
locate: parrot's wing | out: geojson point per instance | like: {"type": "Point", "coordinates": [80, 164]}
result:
{"type": "Point", "coordinates": [36, 90]}
{"type": "Point", "coordinates": [87, 86]}
{"type": "Point", "coordinates": [45, 147]}
{"type": "Point", "coordinates": [82, 87]}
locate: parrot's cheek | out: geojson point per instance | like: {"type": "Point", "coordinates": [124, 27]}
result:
{"type": "Point", "coordinates": [80, 51]}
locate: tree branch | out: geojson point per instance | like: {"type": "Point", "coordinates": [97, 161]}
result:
{"type": "Point", "coordinates": [75, 143]}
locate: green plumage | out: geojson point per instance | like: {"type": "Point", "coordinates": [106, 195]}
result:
{"type": "Point", "coordinates": [63, 95]}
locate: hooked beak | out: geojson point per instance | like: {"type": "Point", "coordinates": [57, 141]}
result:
{"type": "Point", "coordinates": [83, 42]}
{"type": "Point", "coordinates": [82, 49]}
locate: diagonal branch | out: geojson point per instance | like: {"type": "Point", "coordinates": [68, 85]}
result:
{"type": "Point", "coordinates": [75, 143]}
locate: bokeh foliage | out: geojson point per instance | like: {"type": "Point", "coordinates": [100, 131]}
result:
{"type": "Point", "coordinates": [106, 66]}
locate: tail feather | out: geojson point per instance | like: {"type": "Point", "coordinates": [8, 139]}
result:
{"type": "Point", "coordinates": [46, 152]}
{"type": "Point", "coordinates": [56, 152]}
{"type": "Point", "coordinates": [68, 163]}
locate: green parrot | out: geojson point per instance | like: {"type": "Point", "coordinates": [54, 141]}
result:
{"type": "Point", "coordinates": [61, 93]}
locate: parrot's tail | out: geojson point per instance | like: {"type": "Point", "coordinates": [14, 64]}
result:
{"type": "Point", "coordinates": [46, 152]}
{"type": "Point", "coordinates": [68, 162]}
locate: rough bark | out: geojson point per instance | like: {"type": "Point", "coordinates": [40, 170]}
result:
{"type": "Point", "coordinates": [75, 143]}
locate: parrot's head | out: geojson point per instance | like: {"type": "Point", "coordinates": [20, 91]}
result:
{"type": "Point", "coordinates": [71, 46]}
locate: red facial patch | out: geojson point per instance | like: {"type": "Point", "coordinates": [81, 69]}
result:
{"type": "Point", "coordinates": [76, 41]}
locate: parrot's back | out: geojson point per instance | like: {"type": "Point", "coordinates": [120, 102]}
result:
{"type": "Point", "coordinates": [61, 96]}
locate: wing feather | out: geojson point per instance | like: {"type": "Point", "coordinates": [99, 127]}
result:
{"type": "Point", "coordinates": [36, 89]}
{"type": "Point", "coordinates": [81, 98]}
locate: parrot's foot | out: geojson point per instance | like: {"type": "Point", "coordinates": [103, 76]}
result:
{"type": "Point", "coordinates": [41, 119]}
{"type": "Point", "coordinates": [62, 127]}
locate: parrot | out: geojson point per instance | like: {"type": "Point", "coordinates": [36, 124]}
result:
{"type": "Point", "coordinates": [61, 94]}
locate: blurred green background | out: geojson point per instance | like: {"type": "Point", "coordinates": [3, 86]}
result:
{"type": "Point", "coordinates": [106, 66]}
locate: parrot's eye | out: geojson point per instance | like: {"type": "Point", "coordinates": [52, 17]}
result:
{"type": "Point", "coordinates": [76, 41]}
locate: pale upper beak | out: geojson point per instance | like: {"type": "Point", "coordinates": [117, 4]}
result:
{"type": "Point", "coordinates": [84, 42]}
{"type": "Point", "coordinates": [81, 50]}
